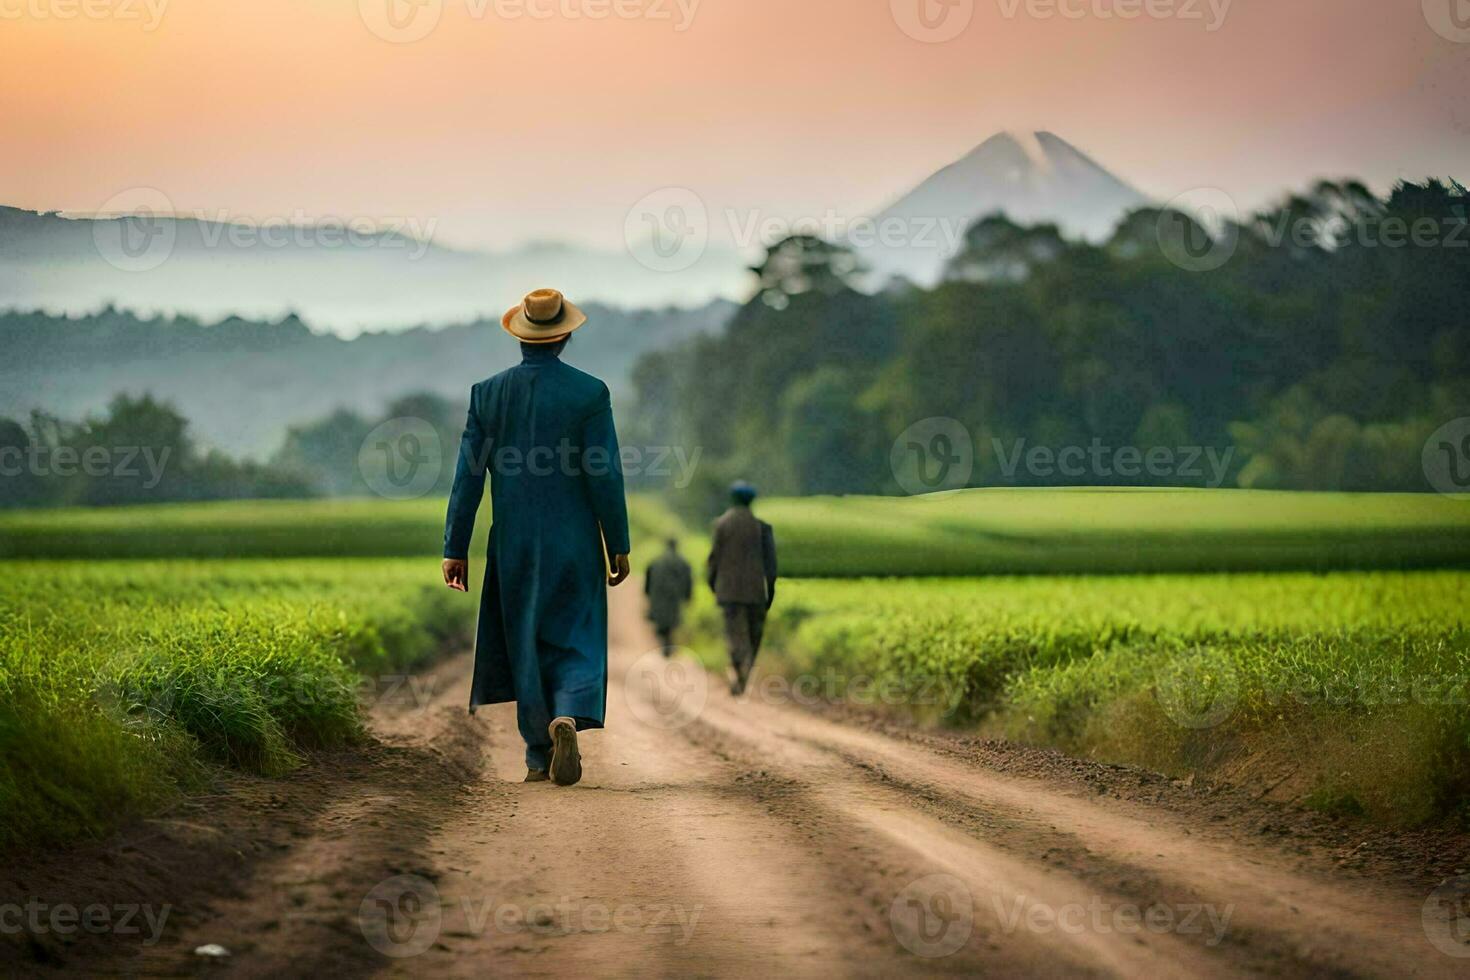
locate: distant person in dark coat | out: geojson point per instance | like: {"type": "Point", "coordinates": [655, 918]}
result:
{"type": "Point", "coordinates": [544, 432]}
{"type": "Point", "coordinates": [742, 575]}
{"type": "Point", "coordinates": [669, 584]}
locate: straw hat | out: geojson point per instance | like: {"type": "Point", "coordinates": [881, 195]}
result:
{"type": "Point", "coordinates": [544, 317]}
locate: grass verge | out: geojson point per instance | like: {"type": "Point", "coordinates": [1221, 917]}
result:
{"type": "Point", "coordinates": [122, 682]}
{"type": "Point", "coordinates": [1348, 690]}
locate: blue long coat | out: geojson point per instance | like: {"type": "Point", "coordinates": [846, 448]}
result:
{"type": "Point", "coordinates": [544, 433]}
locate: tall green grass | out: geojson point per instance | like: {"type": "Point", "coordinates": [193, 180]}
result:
{"type": "Point", "coordinates": [121, 682]}
{"type": "Point", "coordinates": [1359, 683]}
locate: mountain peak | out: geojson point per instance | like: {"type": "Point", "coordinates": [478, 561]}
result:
{"type": "Point", "coordinates": [1032, 177]}
{"type": "Point", "coordinates": [1009, 147]}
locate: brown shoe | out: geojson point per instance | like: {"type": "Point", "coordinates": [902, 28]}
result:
{"type": "Point", "coordinates": [537, 776]}
{"type": "Point", "coordinates": [566, 759]}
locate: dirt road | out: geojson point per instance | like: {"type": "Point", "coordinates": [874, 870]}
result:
{"type": "Point", "coordinates": [712, 837]}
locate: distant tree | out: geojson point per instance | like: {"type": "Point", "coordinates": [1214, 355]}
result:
{"type": "Point", "coordinates": [447, 419]}
{"type": "Point", "coordinates": [804, 264]}
{"type": "Point", "coordinates": [830, 442]}
{"type": "Point", "coordinates": [325, 453]}
{"type": "Point", "coordinates": [997, 249]}
{"type": "Point", "coordinates": [19, 485]}
{"type": "Point", "coordinates": [142, 450]}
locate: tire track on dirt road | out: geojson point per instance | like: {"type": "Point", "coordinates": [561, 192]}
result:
{"type": "Point", "coordinates": [716, 837]}
{"type": "Point", "coordinates": [727, 847]}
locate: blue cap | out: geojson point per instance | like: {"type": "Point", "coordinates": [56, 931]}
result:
{"type": "Point", "coordinates": [742, 491]}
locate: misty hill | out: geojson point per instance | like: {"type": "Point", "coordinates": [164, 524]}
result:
{"type": "Point", "coordinates": [348, 279]}
{"type": "Point", "coordinates": [343, 279]}
{"type": "Point", "coordinates": [1033, 178]}
{"type": "Point", "coordinates": [241, 383]}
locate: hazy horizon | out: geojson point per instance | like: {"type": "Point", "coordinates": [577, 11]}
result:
{"type": "Point", "coordinates": [502, 126]}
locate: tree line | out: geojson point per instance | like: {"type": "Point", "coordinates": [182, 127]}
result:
{"type": "Point", "coordinates": [140, 450]}
{"type": "Point", "coordinates": [1315, 346]}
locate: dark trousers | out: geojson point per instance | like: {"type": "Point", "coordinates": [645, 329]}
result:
{"type": "Point", "coordinates": [745, 624]}
{"type": "Point", "coordinates": [536, 709]}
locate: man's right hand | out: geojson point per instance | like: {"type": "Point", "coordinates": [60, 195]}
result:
{"type": "Point", "coordinates": [620, 571]}
{"type": "Point", "coordinates": [457, 574]}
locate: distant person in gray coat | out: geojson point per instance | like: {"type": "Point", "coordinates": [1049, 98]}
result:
{"type": "Point", "coordinates": [669, 584]}
{"type": "Point", "coordinates": [742, 575]}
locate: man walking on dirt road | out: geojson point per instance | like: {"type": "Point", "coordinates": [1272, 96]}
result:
{"type": "Point", "coordinates": [742, 575]}
{"type": "Point", "coordinates": [544, 431]}
{"type": "Point", "coordinates": [669, 584]}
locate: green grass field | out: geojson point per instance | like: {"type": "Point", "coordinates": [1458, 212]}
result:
{"type": "Point", "coordinates": [1055, 532]}
{"type": "Point", "coordinates": [976, 532]}
{"type": "Point", "coordinates": [233, 529]}
{"type": "Point", "coordinates": [1355, 681]}
{"type": "Point", "coordinates": [1361, 679]}
{"type": "Point", "coordinates": [237, 634]}
{"type": "Point", "coordinates": [122, 682]}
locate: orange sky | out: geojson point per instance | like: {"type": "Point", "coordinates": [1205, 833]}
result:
{"type": "Point", "coordinates": [499, 126]}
